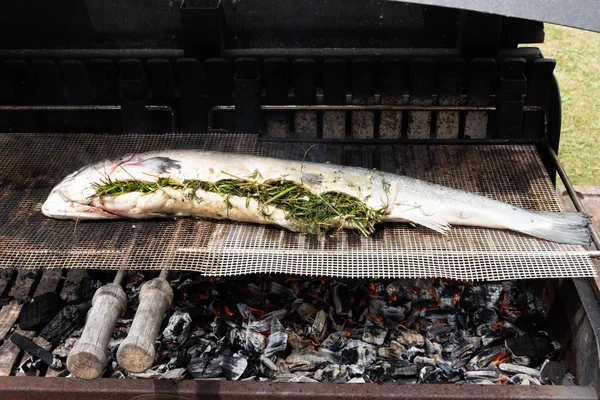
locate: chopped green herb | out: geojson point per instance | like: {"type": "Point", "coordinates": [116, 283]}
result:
{"type": "Point", "coordinates": [314, 213]}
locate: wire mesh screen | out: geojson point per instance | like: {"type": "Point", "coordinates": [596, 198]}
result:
{"type": "Point", "coordinates": [31, 164]}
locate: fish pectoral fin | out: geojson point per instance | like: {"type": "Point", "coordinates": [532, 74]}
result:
{"type": "Point", "coordinates": [418, 216]}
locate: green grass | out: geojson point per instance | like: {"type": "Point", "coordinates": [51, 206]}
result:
{"type": "Point", "coordinates": [578, 72]}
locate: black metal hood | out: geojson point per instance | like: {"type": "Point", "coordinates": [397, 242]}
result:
{"type": "Point", "coordinates": [582, 14]}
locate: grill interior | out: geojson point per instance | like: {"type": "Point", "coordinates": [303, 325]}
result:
{"type": "Point", "coordinates": [511, 173]}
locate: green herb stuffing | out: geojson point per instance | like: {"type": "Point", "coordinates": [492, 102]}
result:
{"type": "Point", "coordinates": [315, 213]}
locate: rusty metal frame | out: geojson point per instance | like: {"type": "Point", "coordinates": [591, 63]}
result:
{"type": "Point", "coordinates": [33, 388]}
{"type": "Point", "coordinates": [378, 107]}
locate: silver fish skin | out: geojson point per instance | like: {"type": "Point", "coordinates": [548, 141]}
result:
{"type": "Point", "coordinates": [400, 198]}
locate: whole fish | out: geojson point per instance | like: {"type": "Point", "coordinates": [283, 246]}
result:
{"type": "Point", "coordinates": [297, 195]}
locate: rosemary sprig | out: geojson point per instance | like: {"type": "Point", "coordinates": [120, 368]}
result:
{"type": "Point", "coordinates": [314, 213]}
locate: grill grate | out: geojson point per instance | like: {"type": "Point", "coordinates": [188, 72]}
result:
{"type": "Point", "coordinates": [31, 164]}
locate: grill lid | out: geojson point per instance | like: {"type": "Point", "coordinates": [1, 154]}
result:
{"type": "Point", "coordinates": [582, 14]}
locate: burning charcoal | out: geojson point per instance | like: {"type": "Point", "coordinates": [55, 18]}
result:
{"type": "Point", "coordinates": [437, 330]}
{"type": "Point", "coordinates": [304, 361]}
{"type": "Point", "coordinates": [35, 350]}
{"type": "Point", "coordinates": [203, 346]}
{"type": "Point", "coordinates": [244, 310]}
{"type": "Point", "coordinates": [268, 362]}
{"type": "Point", "coordinates": [296, 341]}
{"type": "Point", "coordinates": [341, 299]}
{"type": "Point", "coordinates": [447, 369]}
{"type": "Point", "coordinates": [523, 379]}
{"type": "Point", "coordinates": [519, 369]}
{"type": "Point", "coordinates": [175, 374]}
{"type": "Point", "coordinates": [234, 366]}
{"type": "Point", "coordinates": [178, 328]}
{"type": "Point", "coordinates": [553, 372]}
{"type": "Point", "coordinates": [439, 313]}
{"type": "Point", "coordinates": [306, 310]}
{"type": "Point", "coordinates": [319, 327]}
{"type": "Point", "coordinates": [432, 349]}
{"type": "Point", "coordinates": [420, 360]}
{"type": "Point", "coordinates": [403, 370]}
{"type": "Point", "coordinates": [376, 308]}
{"type": "Point", "coordinates": [413, 352]}
{"type": "Point", "coordinates": [255, 342]}
{"type": "Point", "coordinates": [179, 361]}
{"type": "Point", "coordinates": [485, 357]}
{"type": "Point", "coordinates": [356, 370]}
{"type": "Point", "coordinates": [409, 338]}
{"type": "Point", "coordinates": [280, 290]}
{"type": "Point", "coordinates": [485, 316]}
{"type": "Point", "coordinates": [374, 335]}
{"type": "Point", "coordinates": [66, 321]}
{"type": "Point", "coordinates": [332, 357]}
{"type": "Point", "coordinates": [480, 296]}
{"type": "Point", "coordinates": [201, 368]}
{"type": "Point", "coordinates": [428, 374]}
{"type": "Point", "coordinates": [277, 342]}
{"type": "Point", "coordinates": [83, 291]}
{"type": "Point", "coordinates": [394, 313]}
{"type": "Point", "coordinates": [40, 311]}
{"type": "Point", "coordinates": [531, 350]}
{"type": "Point", "coordinates": [482, 374]}
{"type": "Point", "coordinates": [366, 355]}
{"type": "Point", "coordinates": [264, 324]}
{"type": "Point", "coordinates": [389, 353]}
{"type": "Point", "coordinates": [336, 341]}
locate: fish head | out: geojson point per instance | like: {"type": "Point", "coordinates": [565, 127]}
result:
{"type": "Point", "coordinates": [74, 197]}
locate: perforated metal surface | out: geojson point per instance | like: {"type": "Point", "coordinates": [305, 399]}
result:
{"type": "Point", "coordinates": [31, 164]}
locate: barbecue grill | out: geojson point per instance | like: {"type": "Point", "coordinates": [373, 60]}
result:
{"type": "Point", "coordinates": [441, 94]}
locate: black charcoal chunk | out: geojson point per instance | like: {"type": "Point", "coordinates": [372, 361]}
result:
{"type": "Point", "coordinates": [83, 291]}
{"type": "Point", "coordinates": [480, 296]}
{"type": "Point", "coordinates": [66, 321]}
{"type": "Point", "coordinates": [304, 361]}
{"type": "Point", "coordinates": [519, 369]}
{"type": "Point", "coordinates": [277, 342]}
{"type": "Point", "coordinates": [255, 342]}
{"type": "Point", "coordinates": [282, 290]}
{"type": "Point", "coordinates": [178, 328]}
{"type": "Point", "coordinates": [523, 379]}
{"type": "Point", "coordinates": [264, 324]}
{"type": "Point", "coordinates": [374, 335]}
{"type": "Point", "coordinates": [203, 368]}
{"type": "Point", "coordinates": [531, 350]}
{"type": "Point", "coordinates": [405, 370]}
{"type": "Point", "coordinates": [40, 311]}
{"type": "Point", "coordinates": [553, 372]}
{"type": "Point", "coordinates": [234, 366]}
{"type": "Point", "coordinates": [336, 341]}
{"type": "Point", "coordinates": [341, 299]}
{"type": "Point", "coordinates": [409, 338]}
{"type": "Point", "coordinates": [318, 330]}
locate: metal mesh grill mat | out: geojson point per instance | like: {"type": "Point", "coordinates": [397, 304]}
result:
{"type": "Point", "coordinates": [31, 164]}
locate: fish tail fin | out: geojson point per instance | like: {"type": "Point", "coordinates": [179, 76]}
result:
{"type": "Point", "coordinates": [560, 227]}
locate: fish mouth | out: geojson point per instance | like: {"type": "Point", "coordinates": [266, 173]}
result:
{"type": "Point", "coordinates": [58, 205]}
